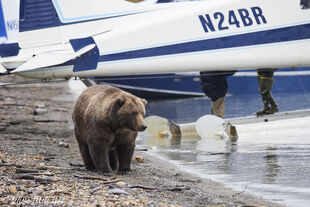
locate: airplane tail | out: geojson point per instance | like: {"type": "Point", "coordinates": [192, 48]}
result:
{"type": "Point", "coordinates": [3, 33]}
{"type": "Point", "coordinates": [9, 29]}
{"type": "Point", "coordinates": [9, 21]}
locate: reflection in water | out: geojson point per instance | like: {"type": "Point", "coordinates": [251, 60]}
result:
{"type": "Point", "coordinates": [271, 166]}
{"type": "Point", "coordinates": [275, 167]}
{"type": "Point", "coordinates": [189, 110]}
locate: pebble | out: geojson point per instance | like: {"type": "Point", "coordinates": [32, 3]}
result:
{"type": "Point", "coordinates": [12, 189]}
{"type": "Point", "coordinates": [122, 184]}
{"type": "Point", "coordinates": [117, 191]}
{"type": "Point", "coordinates": [139, 159]}
{"type": "Point", "coordinates": [64, 144]}
{"type": "Point", "coordinates": [38, 111]}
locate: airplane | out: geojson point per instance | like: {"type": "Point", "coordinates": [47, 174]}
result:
{"type": "Point", "coordinates": [76, 38]}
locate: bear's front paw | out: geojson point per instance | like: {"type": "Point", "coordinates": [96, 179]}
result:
{"type": "Point", "coordinates": [91, 168]}
{"type": "Point", "coordinates": [106, 173]}
{"type": "Point", "coordinates": [123, 171]}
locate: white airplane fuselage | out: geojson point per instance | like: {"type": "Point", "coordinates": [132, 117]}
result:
{"type": "Point", "coordinates": [100, 38]}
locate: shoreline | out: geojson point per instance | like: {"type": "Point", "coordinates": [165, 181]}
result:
{"type": "Point", "coordinates": [36, 132]}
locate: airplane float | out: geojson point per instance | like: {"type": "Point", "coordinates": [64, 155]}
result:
{"type": "Point", "coordinates": [49, 39]}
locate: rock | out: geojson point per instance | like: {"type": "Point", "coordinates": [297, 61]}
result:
{"type": "Point", "coordinates": [38, 111]}
{"type": "Point", "coordinates": [61, 109]}
{"type": "Point", "coordinates": [139, 159]}
{"type": "Point", "coordinates": [117, 191]}
{"type": "Point", "coordinates": [12, 189]}
{"type": "Point", "coordinates": [64, 144]}
{"type": "Point", "coordinates": [14, 122]}
{"type": "Point", "coordinates": [122, 184]}
{"type": "Point", "coordinates": [152, 148]}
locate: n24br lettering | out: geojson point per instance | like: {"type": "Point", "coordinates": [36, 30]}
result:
{"type": "Point", "coordinates": [240, 18]}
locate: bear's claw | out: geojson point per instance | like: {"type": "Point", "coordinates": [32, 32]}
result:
{"type": "Point", "coordinates": [106, 173]}
{"type": "Point", "coordinates": [123, 172]}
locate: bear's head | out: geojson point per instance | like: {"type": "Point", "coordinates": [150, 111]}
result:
{"type": "Point", "coordinates": [131, 112]}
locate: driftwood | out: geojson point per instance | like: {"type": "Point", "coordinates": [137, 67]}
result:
{"type": "Point", "coordinates": [76, 164]}
{"type": "Point", "coordinates": [32, 172]}
{"type": "Point", "coordinates": [53, 168]}
{"type": "Point", "coordinates": [29, 176]}
{"type": "Point", "coordinates": [106, 180]}
{"type": "Point", "coordinates": [15, 104]}
{"type": "Point", "coordinates": [9, 165]}
{"type": "Point", "coordinates": [25, 139]}
{"type": "Point", "coordinates": [111, 181]}
{"type": "Point", "coordinates": [48, 120]}
{"type": "Point", "coordinates": [61, 109]}
{"type": "Point", "coordinates": [26, 170]}
{"type": "Point", "coordinates": [49, 158]}
{"type": "Point", "coordinates": [88, 177]}
{"type": "Point", "coordinates": [94, 190]}
{"type": "Point", "coordinates": [177, 188]}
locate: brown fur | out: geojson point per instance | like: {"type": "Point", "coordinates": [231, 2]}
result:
{"type": "Point", "coordinates": [107, 121]}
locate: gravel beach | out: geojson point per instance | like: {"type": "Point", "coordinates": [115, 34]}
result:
{"type": "Point", "coordinates": [40, 163]}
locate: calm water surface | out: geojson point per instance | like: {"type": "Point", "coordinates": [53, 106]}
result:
{"type": "Point", "coordinates": [277, 168]}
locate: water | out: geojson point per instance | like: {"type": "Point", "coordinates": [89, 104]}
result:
{"type": "Point", "coordinates": [275, 167]}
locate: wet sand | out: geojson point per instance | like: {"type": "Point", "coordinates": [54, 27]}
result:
{"type": "Point", "coordinates": [40, 161]}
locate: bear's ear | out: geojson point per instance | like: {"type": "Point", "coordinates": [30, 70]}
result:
{"type": "Point", "coordinates": [119, 102]}
{"type": "Point", "coordinates": [143, 101]}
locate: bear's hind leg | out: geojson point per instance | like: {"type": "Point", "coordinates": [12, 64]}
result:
{"type": "Point", "coordinates": [89, 165]}
{"type": "Point", "coordinates": [99, 152]}
{"type": "Point", "coordinates": [125, 154]}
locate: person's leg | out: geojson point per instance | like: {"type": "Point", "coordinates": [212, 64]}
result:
{"type": "Point", "coordinates": [265, 86]}
{"type": "Point", "coordinates": [264, 99]}
{"type": "Point", "coordinates": [218, 107]}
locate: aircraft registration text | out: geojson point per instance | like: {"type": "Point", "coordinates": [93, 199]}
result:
{"type": "Point", "coordinates": [239, 18]}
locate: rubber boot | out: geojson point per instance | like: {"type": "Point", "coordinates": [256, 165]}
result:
{"type": "Point", "coordinates": [265, 86]}
{"type": "Point", "coordinates": [274, 107]}
{"type": "Point", "coordinates": [264, 110]}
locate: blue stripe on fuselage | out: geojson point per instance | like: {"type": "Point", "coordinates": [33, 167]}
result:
{"type": "Point", "coordinates": [7, 50]}
{"type": "Point", "coordinates": [278, 35]}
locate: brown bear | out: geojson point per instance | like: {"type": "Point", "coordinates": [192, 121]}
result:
{"type": "Point", "coordinates": [107, 121]}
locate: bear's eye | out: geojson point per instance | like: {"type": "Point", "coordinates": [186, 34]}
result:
{"type": "Point", "coordinates": [134, 113]}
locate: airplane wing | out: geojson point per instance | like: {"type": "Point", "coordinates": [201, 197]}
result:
{"type": "Point", "coordinates": [52, 59]}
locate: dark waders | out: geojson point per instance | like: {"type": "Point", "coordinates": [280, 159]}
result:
{"type": "Point", "coordinates": [265, 82]}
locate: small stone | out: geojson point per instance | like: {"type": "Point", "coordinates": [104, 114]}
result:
{"type": "Point", "coordinates": [39, 110]}
{"type": "Point", "coordinates": [117, 191]}
{"type": "Point", "coordinates": [139, 159]}
{"type": "Point", "coordinates": [64, 144]}
{"type": "Point", "coordinates": [152, 148]}
{"type": "Point", "coordinates": [12, 189]}
{"type": "Point", "coordinates": [122, 184]}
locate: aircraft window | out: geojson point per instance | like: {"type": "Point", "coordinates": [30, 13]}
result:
{"type": "Point", "coordinates": [305, 4]}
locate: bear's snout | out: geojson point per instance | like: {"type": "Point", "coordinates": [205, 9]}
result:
{"type": "Point", "coordinates": [142, 128]}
